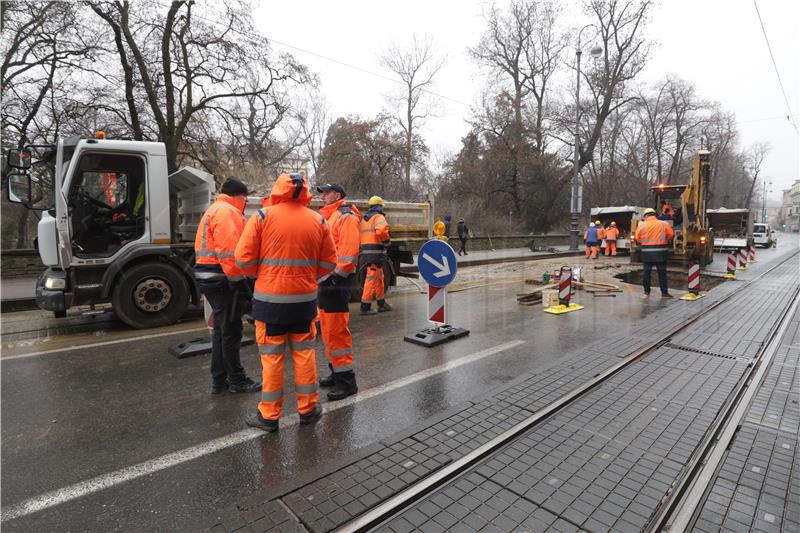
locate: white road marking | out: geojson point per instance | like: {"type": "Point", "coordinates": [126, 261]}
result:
{"type": "Point", "coordinates": [103, 343]}
{"type": "Point", "coordinates": [111, 479]}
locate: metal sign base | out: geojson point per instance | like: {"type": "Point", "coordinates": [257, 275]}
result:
{"type": "Point", "coordinates": [199, 347]}
{"type": "Point", "coordinates": [692, 297]}
{"type": "Point", "coordinates": [560, 309]}
{"type": "Point", "coordinates": [435, 335]}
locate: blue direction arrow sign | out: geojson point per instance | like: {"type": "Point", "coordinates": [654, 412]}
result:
{"type": "Point", "coordinates": [437, 263]}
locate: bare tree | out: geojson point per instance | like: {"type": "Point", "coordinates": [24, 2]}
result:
{"type": "Point", "coordinates": [315, 121]}
{"type": "Point", "coordinates": [416, 66]}
{"type": "Point", "coordinates": [178, 65]}
{"type": "Point", "coordinates": [620, 25]}
{"type": "Point", "coordinates": [755, 159]}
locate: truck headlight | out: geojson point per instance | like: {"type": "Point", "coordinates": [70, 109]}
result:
{"type": "Point", "coordinates": [55, 283]}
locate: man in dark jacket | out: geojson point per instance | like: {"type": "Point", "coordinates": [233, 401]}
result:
{"type": "Point", "coordinates": [447, 220]}
{"type": "Point", "coordinates": [463, 235]}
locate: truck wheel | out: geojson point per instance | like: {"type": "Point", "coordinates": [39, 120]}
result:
{"type": "Point", "coordinates": [150, 295]}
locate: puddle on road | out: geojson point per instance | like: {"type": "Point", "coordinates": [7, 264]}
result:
{"type": "Point", "coordinates": [676, 280]}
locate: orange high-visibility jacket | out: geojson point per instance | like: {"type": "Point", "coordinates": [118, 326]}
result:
{"type": "Point", "coordinates": [286, 247]}
{"type": "Point", "coordinates": [343, 221]}
{"type": "Point", "coordinates": [374, 236]}
{"type": "Point", "coordinates": [653, 236]}
{"type": "Point", "coordinates": [601, 233]}
{"type": "Point", "coordinates": [612, 233]}
{"type": "Point", "coordinates": [216, 239]}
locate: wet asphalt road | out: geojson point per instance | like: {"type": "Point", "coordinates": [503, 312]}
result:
{"type": "Point", "coordinates": [69, 416]}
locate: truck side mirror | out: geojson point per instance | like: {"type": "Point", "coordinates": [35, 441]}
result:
{"type": "Point", "coordinates": [19, 189]}
{"type": "Point", "coordinates": [19, 159]}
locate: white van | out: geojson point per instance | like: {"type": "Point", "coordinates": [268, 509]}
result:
{"type": "Point", "coordinates": [762, 235]}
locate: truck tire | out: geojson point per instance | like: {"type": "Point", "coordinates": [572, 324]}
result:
{"type": "Point", "coordinates": [149, 295]}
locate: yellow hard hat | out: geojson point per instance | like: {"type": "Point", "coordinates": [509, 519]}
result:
{"type": "Point", "coordinates": [598, 223]}
{"type": "Point", "coordinates": [648, 211]}
{"type": "Point", "coordinates": [613, 223]}
{"type": "Point", "coordinates": [376, 200]}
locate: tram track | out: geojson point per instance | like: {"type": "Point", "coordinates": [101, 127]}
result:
{"type": "Point", "coordinates": [398, 503]}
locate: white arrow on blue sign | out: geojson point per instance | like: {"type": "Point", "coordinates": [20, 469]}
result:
{"type": "Point", "coordinates": [437, 263]}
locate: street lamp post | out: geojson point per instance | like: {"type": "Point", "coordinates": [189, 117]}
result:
{"type": "Point", "coordinates": [576, 204]}
{"type": "Point", "coordinates": [764, 201]}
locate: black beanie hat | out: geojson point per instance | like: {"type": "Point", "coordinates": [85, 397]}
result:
{"type": "Point", "coordinates": [233, 187]}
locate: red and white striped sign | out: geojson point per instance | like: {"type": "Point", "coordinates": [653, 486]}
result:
{"type": "Point", "coordinates": [752, 257]}
{"type": "Point", "coordinates": [694, 277]}
{"type": "Point", "coordinates": [743, 257]}
{"type": "Point", "coordinates": [437, 303]}
{"type": "Point", "coordinates": [565, 286]}
{"type": "Point", "coordinates": [732, 263]}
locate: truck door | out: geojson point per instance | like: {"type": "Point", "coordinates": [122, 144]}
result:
{"type": "Point", "coordinates": [107, 203]}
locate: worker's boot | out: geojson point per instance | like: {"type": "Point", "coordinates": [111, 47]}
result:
{"type": "Point", "coordinates": [313, 416]}
{"type": "Point", "coordinates": [383, 306]}
{"type": "Point", "coordinates": [258, 421]}
{"type": "Point", "coordinates": [328, 381]}
{"type": "Point", "coordinates": [248, 385]}
{"type": "Point", "coordinates": [345, 386]}
{"type": "Point", "coordinates": [366, 309]}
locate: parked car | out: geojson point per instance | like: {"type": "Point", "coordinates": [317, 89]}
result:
{"type": "Point", "coordinates": [762, 235]}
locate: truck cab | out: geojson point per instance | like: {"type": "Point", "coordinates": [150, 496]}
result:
{"type": "Point", "coordinates": [110, 235]}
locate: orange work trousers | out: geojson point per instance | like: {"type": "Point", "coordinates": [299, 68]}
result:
{"type": "Point", "coordinates": [337, 339]}
{"type": "Point", "coordinates": [611, 247]}
{"type": "Point", "coordinates": [273, 343]}
{"type": "Point", "coordinates": [592, 251]}
{"type": "Point", "coordinates": [373, 284]}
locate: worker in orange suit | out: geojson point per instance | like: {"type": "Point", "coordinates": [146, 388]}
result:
{"type": "Point", "coordinates": [601, 236]}
{"type": "Point", "coordinates": [612, 233]}
{"type": "Point", "coordinates": [224, 286]}
{"type": "Point", "coordinates": [591, 240]}
{"type": "Point", "coordinates": [334, 291]}
{"type": "Point", "coordinates": [286, 247]}
{"type": "Point", "coordinates": [653, 237]}
{"type": "Point", "coordinates": [374, 240]}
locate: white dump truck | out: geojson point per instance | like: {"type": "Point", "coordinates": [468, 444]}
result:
{"type": "Point", "coordinates": [122, 229]}
{"type": "Point", "coordinates": [625, 216]}
{"type": "Point", "coordinates": [732, 228]}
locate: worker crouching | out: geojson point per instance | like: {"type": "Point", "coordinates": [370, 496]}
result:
{"type": "Point", "coordinates": [374, 240]}
{"type": "Point", "coordinates": [287, 248]}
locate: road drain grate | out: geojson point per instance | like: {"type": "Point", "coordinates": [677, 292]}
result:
{"type": "Point", "coordinates": [704, 352]}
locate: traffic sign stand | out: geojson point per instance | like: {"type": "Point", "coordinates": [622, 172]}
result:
{"type": "Point", "coordinates": [564, 295]}
{"type": "Point", "coordinates": [435, 260]}
{"type": "Point", "coordinates": [202, 346]}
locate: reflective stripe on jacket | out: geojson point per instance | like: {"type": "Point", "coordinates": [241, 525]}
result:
{"type": "Point", "coordinates": [374, 236]}
{"type": "Point", "coordinates": [612, 233]}
{"type": "Point", "coordinates": [344, 222]}
{"type": "Point", "coordinates": [286, 247]}
{"type": "Point", "coordinates": [653, 237]}
{"type": "Point", "coordinates": [215, 243]}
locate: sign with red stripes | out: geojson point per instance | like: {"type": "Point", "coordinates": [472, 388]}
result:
{"type": "Point", "coordinates": [732, 263]}
{"type": "Point", "coordinates": [437, 304]}
{"type": "Point", "coordinates": [694, 277]}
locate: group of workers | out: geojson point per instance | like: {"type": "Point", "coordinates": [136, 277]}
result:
{"type": "Point", "coordinates": [595, 234]}
{"type": "Point", "coordinates": [653, 235]}
{"type": "Point", "coordinates": [297, 267]}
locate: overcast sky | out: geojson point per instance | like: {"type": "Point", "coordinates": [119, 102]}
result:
{"type": "Point", "coordinates": [717, 44]}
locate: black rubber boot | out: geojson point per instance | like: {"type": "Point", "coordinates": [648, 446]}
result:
{"type": "Point", "coordinates": [313, 416]}
{"type": "Point", "coordinates": [248, 385]}
{"type": "Point", "coordinates": [345, 386]}
{"type": "Point", "coordinates": [383, 307]}
{"type": "Point", "coordinates": [257, 421]}
{"type": "Point", "coordinates": [328, 381]}
{"type": "Point", "coordinates": [366, 309]}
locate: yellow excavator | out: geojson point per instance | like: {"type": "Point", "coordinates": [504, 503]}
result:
{"type": "Point", "coordinates": [685, 207]}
